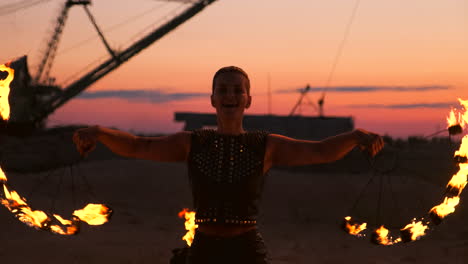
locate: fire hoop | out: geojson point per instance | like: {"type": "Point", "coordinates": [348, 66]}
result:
{"type": "Point", "coordinates": [92, 214]}
{"type": "Point", "coordinates": [418, 228]}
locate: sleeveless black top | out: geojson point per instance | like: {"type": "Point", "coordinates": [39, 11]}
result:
{"type": "Point", "coordinates": [226, 176]}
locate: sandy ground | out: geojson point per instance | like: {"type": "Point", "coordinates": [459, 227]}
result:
{"type": "Point", "coordinates": [300, 220]}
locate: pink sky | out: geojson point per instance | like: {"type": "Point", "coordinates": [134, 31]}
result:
{"type": "Point", "coordinates": [391, 43]}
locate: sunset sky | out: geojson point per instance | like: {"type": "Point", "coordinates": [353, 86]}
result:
{"type": "Point", "coordinates": [402, 67]}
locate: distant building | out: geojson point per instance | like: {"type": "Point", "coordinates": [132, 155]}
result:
{"type": "Point", "coordinates": [300, 127]}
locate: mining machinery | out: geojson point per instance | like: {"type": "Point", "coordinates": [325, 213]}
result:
{"type": "Point", "coordinates": [34, 98]}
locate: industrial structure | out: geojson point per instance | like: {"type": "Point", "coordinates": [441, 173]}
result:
{"type": "Point", "coordinates": [34, 98]}
{"type": "Point", "coordinates": [300, 127]}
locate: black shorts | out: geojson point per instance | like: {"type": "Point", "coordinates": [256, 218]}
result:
{"type": "Point", "coordinates": [247, 248]}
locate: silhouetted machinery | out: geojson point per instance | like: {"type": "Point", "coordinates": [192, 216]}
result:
{"type": "Point", "coordinates": [303, 95]}
{"type": "Point", "coordinates": [33, 99]}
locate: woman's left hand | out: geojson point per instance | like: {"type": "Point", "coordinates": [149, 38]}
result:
{"type": "Point", "coordinates": [368, 141]}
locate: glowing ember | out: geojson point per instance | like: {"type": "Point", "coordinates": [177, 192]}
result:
{"type": "Point", "coordinates": [5, 91]}
{"type": "Point", "coordinates": [414, 230]}
{"type": "Point", "coordinates": [354, 229]}
{"type": "Point", "coordinates": [190, 225]}
{"type": "Point", "coordinates": [94, 214]}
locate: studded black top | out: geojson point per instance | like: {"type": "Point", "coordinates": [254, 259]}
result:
{"type": "Point", "coordinates": [226, 176]}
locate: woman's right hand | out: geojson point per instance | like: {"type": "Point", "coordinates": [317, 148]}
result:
{"type": "Point", "coordinates": [86, 139]}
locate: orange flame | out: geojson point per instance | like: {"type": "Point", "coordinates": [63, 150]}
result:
{"type": "Point", "coordinates": [452, 119]}
{"type": "Point", "coordinates": [354, 229]}
{"type": "Point", "coordinates": [69, 230]}
{"type": "Point", "coordinates": [13, 199]}
{"type": "Point", "coordinates": [69, 227]}
{"type": "Point", "coordinates": [463, 150]}
{"type": "Point", "coordinates": [382, 236]}
{"type": "Point", "coordinates": [94, 214]}
{"type": "Point", "coordinates": [416, 229]}
{"type": "Point", "coordinates": [190, 225]}
{"type": "Point", "coordinates": [459, 180]}
{"type": "Point", "coordinates": [446, 207]}
{"type": "Point", "coordinates": [458, 117]}
{"type": "Point", "coordinates": [5, 91]}
{"type": "Point", "coordinates": [18, 206]}
{"type": "Point", "coordinates": [3, 177]}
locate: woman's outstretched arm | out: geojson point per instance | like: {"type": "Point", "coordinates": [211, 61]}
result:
{"type": "Point", "coordinates": [285, 151]}
{"type": "Point", "coordinates": [172, 148]}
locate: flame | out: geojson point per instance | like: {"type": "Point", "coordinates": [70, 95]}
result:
{"type": "Point", "coordinates": [14, 202]}
{"type": "Point", "coordinates": [465, 114]}
{"type": "Point", "coordinates": [190, 225]}
{"type": "Point", "coordinates": [94, 214]}
{"type": "Point", "coordinates": [456, 121]}
{"type": "Point", "coordinates": [458, 117]}
{"type": "Point", "coordinates": [452, 119]}
{"type": "Point", "coordinates": [382, 236]}
{"type": "Point", "coordinates": [68, 227]}
{"type": "Point", "coordinates": [458, 180]}
{"type": "Point", "coordinates": [354, 229]}
{"type": "Point", "coordinates": [416, 229]}
{"type": "Point", "coordinates": [62, 221]}
{"type": "Point", "coordinates": [69, 230]}
{"type": "Point", "coordinates": [446, 207]}
{"type": "Point", "coordinates": [13, 199]}
{"type": "Point", "coordinates": [463, 150]}
{"type": "Point", "coordinates": [5, 91]}
{"type": "Point", "coordinates": [18, 206]}
{"type": "Point", "coordinates": [3, 177]}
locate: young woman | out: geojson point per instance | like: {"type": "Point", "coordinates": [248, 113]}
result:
{"type": "Point", "coordinates": [227, 167]}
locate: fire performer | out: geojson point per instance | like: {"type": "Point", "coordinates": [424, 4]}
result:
{"type": "Point", "coordinates": [227, 167]}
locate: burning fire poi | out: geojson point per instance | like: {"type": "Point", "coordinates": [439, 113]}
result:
{"type": "Point", "coordinates": [92, 214]}
{"type": "Point", "coordinates": [456, 122]}
{"type": "Point", "coordinates": [190, 225]}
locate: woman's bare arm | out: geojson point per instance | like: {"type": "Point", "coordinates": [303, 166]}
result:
{"type": "Point", "coordinates": [172, 148]}
{"type": "Point", "coordinates": [285, 151]}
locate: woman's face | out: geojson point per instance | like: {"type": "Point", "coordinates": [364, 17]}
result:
{"type": "Point", "coordinates": [230, 96]}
